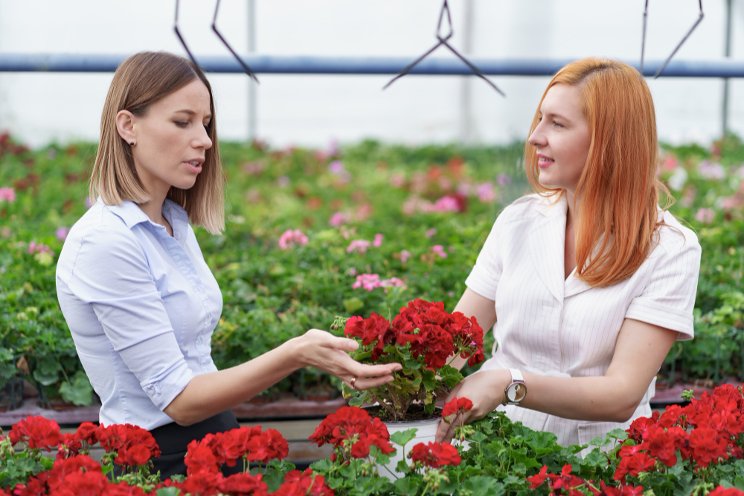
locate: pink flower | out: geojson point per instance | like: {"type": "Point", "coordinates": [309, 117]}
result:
{"type": "Point", "coordinates": [404, 256]}
{"type": "Point", "coordinates": [446, 204]}
{"type": "Point", "coordinates": [705, 215]}
{"type": "Point", "coordinates": [61, 233]}
{"type": "Point", "coordinates": [486, 193]}
{"type": "Point", "coordinates": [34, 247]}
{"type": "Point", "coordinates": [439, 251]}
{"type": "Point", "coordinates": [338, 219]}
{"type": "Point", "coordinates": [283, 181]}
{"type": "Point", "coordinates": [503, 180]}
{"type": "Point", "coordinates": [711, 170]}
{"type": "Point", "coordinates": [336, 167]}
{"type": "Point", "coordinates": [430, 232]}
{"type": "Point", "coordinates": [292, 237]}
{"type": "Point", "coordinates": [369, 282]}
{"type": "Point", "coordinates": [7, 194]}
{"type": "Point", "coordinates": [377, 242]}
{"type": "Point", "coordinates": [393, 282]}
{"type": "Point", "coordinates": [358, 246]}
{"type": "Point", "coordinates": [397, 180]}
{"type": "Point", "coordinates": [669, 163]}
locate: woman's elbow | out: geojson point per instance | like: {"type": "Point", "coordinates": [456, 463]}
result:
{"type": "Point", "coordinates": [180, 415]}
{"type": "Point", "coordinates": [622, 411]}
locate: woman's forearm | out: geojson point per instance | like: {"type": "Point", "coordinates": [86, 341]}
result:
{"type": "Point", "coordinates": [209, 394]}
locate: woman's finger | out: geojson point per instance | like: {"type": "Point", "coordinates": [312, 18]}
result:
{"type": "Point", "coordinates": [370, 382]}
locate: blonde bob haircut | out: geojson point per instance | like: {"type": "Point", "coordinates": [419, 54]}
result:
{"type": "Point", "coordinates": [618, 188]}
{"type": "Point", "coordinates": [140, 81]}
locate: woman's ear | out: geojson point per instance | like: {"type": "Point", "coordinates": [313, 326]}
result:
{"type": "Point", "coordinates": [125, 126]}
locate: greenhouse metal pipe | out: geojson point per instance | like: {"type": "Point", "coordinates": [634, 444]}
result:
{"type": "Point", "coordinates": [275, 64]}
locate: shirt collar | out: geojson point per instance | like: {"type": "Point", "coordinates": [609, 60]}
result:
{"type": "Point", "coordinates": [554, 205]}
{"type": "Point", "coordinates": [131, 214]}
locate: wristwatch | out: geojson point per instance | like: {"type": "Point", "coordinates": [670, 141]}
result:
{"type": "Point", "coordinates": [516, 391]}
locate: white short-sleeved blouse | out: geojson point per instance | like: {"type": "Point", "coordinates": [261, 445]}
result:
{"type": "Point", "coordinates": [551, 325]}
{"type": "Point", "coordinates": [141, 306]}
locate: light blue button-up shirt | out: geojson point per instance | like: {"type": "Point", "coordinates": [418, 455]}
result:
{"type": "Point", "coordinates": [141, 306]}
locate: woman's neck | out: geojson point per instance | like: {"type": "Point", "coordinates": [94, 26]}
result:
{"type": "Point", "coordinates": [154, 211]}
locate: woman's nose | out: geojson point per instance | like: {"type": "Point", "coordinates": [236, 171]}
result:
{"type": "Point", "coordinates": [536, 138]}
{"type": "Point", "coordinates": [203, 140]}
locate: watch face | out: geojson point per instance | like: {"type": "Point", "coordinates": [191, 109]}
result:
{"type": "Point", "coordinates": [516, 392]}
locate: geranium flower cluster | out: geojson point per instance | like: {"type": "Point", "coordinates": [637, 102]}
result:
{"type": "Point", "coordinates": [352, 432]}
{"type": "Point", "coordinates": [426, 328]}
{"type": "Point", "coordinates": [692, 439]}
{"type": "Point", "coordinates": [704, 432]}
{"type": "Point", "coordinates": [425, 338]}
{"type": "Point", "coordinates": [568, 483]}
{"type": "Point", "coordinates": [128, 446]}
{"type": "Point", "coordinates": [131, 448]}
{"type": "Point", "coordinates": [434, 454]}
{"type": "Point", "coordinates": [249, 444]}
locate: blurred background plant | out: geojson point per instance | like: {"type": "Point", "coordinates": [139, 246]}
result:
{"type": "Point", "coordinates": [312, 234]}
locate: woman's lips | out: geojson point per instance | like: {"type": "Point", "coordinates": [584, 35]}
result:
{"type": "Point", "coordinates": [543, 161]}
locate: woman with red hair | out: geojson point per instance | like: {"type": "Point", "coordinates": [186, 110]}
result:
{"type": "Point", "coordinates": [587, 282]}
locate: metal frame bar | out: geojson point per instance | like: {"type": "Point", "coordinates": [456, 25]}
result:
{"type": "Point", "coordinates": [274, 64]}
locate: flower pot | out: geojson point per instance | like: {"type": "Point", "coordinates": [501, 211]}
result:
{"type": "Point", "coordinates": [11, 394]}
{"type": "Point", "coordinates": [426, 430]}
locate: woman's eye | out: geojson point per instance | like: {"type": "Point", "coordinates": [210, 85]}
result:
{"type": "Point", "coordinates": [181, 123]}
{"type": "Point", "coordinates": [558, 124]}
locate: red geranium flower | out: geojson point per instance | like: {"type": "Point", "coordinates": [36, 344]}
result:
{"type": "Point", "coordinates": [37, 432]}
{"type": "Point", "coordinates": [203, 483]}
{"type": "Point", "coordinates": [456, 406]}
{"type": "Point", "coordinates": [434, 454]}
{"type": "Point", "coordinates": [298, 483]}
{"type": "Point", "coordinates": [200, 457]}
{"type": "Point", "coordinates": [424, 337]}
{"type": "Point", "coordinates": [726, 491]}
{"type": "Point", "coordinates": [354, 429]}
{"type": "Point", "coordinates": [133, 445]}
{"type": "Point", "coordinates": [707, 446]}
{"type": "Point", "coordinates": [244, 485]}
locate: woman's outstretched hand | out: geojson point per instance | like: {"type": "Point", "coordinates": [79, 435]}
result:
{"type": "Point", "coordinates": [330, 353]}
{"type": "Point", "coordinates": [485, 389]}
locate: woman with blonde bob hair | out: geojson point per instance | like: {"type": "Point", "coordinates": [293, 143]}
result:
{"type": "Point", "coordinates": [133, 285]}
{"type": "Point", "coordinates": [587, 282]}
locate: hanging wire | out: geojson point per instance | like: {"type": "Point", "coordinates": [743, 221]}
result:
{"type": "Point", "coordinates": [682, 41]}
{"type": "Point", "coordinates": [219, 35]}
{"type": "Point", "coordinates": [443, 40]}
{"type": "Point", "coordinates": [227, 45]}
{"type": "Point", "coordinates": [180, 38]}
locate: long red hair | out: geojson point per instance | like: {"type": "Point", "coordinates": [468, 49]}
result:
{"type": "Point", "coordinates": [618, 189]}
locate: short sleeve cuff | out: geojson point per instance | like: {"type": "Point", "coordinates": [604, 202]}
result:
{"type": "Point", "coordinates": [164, 389]}
{"type": "Point", "coordinates": [481, 285]}
{"type": "Point", "coordinates": [668, 318]}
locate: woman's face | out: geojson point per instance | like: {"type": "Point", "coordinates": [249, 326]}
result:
{"type": "Point", "coordinates": [561, 138]}
{"type": "Point", "coordinates": [172, 139]}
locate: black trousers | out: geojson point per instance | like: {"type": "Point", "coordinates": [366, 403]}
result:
{"type": "Point", "coordinates": [173, 440]}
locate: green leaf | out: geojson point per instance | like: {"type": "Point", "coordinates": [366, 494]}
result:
{"type": "Point", "coordinates": [402, 438]}
{"type": "Point", "coordinates": [47, 370]}
{"type": "Point", "coordinates": [481, 484]}
{"type": "Point", "coordinates": [353, 305]}
{"type": "Point", "coordinates": [168, 491]}
{"type": "Point", "coordinates": [78, 391]}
